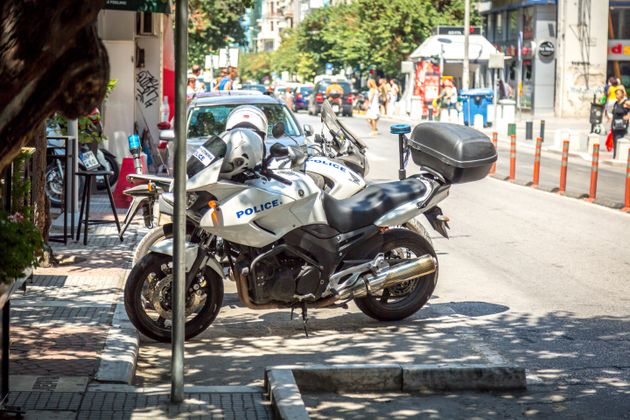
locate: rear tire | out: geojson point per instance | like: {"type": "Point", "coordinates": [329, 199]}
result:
{"type": "Point", "coordinates": [378, 307]}
{"type": "Point", "coordinates": [135, 300]}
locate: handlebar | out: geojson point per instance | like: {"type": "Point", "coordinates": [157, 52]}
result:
{"type": "Point", "coordinates": [269, 174]}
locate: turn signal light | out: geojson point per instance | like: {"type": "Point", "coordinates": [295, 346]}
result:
{"type": "Point", "coordinates": [214, 206]}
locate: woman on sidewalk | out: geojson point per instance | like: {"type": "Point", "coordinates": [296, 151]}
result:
{"type": "Point", "coordinates": [372, 113]}
{"type": "Point", "coordinates": [620, 116]}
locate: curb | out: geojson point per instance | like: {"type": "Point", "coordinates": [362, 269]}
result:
{"type": "Point", "coordinates": [118, 360]}
{"type": "Point", "coordinates": [286, 400]}
{"type": "Point", "coordinates": [284, 383]}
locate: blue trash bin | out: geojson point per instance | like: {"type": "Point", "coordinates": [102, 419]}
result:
{"type": "Point", "coordinates": [476, 101]}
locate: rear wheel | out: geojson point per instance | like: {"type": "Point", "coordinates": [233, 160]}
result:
{"type": "Point", "coordinates": [148, 294]}
{"type": "Point", "coordinates": [403, 300]}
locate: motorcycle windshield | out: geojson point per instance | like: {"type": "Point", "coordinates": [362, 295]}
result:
{"type": "Point", "coordinates": [205, 155]}
{"type": "Point", "coordinates": [336, 127]}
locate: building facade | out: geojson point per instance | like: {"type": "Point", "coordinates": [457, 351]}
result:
{"type": "Point", "coordinates": [560, 51]}
{"type": "Point", "coordinates": [269, 18]}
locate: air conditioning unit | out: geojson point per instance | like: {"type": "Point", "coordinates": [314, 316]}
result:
{"type": "Point", "coordinates": [145, 24]}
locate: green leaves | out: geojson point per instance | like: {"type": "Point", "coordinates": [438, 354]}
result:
{"type": "Point", "coordinates": [211, 21]}
{"type": "Point", "coordinates": [379, 33]}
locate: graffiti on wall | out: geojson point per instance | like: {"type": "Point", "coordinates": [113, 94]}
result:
{"type": "Point", "coordinates": [147, 88]}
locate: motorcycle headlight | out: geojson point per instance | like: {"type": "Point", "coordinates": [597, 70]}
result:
{"type": "Point", "coordinates": [191, 199]}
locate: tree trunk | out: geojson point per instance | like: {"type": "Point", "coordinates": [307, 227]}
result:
{"type": "Point", "coordinates": [38, 179]}
{"type": "Point", "coordinates": [51, 59]}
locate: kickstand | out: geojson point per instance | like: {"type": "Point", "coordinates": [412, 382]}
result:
{"type": "Point", "coordinates": [305, 317]}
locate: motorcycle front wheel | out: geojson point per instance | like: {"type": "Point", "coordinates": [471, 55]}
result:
{"type": "Point", "coordinates": [403, 300]}
{"type": "Point", "coordinates": [148, 295]}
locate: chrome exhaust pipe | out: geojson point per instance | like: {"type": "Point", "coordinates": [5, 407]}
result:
{"type": "Point", "coordinates": [388, 277]}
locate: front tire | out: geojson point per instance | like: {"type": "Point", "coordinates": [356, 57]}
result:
{"type": "Point", "coordinates": [203, 303]}
{"type": "Point", "coordinates": [403, 300]}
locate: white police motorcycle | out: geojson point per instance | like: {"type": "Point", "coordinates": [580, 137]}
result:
{"type": "Point", "coordinates": [289, 244]}
{"type": "Point", "coordinates": [336, 161]}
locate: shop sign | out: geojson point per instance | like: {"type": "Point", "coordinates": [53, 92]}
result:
{"type": "Point", "coordinates": [619, 50]}
{"type": "Point", "coordinates": [546, 49]}
{"type": "Point", "coordinates": [153, 6]}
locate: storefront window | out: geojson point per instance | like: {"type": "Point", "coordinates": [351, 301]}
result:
{"type": "Point", "coordinates": [499, 31]}
{"type": "Point", "coordinates": [528, 23]}
{"type": "Point", "coordinates": [620, 21]}
{"type": "Point", "coordinates": [513, 25]}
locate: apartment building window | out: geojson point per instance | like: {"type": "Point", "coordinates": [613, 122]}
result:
{"type": "Point", "coordinates": [271, 25]}
{"type": "Point", "coordinates": [620, 22]}
{"type": "Point", "coordinates": [499, 29]}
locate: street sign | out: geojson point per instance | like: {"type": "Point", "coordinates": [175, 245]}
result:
{"type": "Point", "coordinates": [496, 61]}
{"type": "Point", "coordinates": [228, 57]}
{"type": "Point", "coordinates": [456, 30]}
{"type": "Point", "coordinates": [406, 67]}
{"type": "Point", "coordinates": [546, 49]}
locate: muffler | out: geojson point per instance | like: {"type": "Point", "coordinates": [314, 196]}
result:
{"type": "Point", "coordinates": [373, 283]}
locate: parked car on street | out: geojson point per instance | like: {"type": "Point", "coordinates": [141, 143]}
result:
{"type": "Point", "coordinates": [254, 86]}
{"type": "Point", "coordinates": [317, 97]}
{"type": "Point", "coordinates": [207, 116]}
{"type": "Point", "coordinates": [301, 96]}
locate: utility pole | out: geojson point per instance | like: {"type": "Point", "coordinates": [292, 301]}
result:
{"type": "Point", "coordinates": [179, 268]}
{"type": "Point", "coordinates": [466, 66]}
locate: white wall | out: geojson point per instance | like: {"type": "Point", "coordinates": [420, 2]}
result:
{"type": "Point", "coordinates": [581, 63]}
{"type": "Point", "coordinates": [148, 83]}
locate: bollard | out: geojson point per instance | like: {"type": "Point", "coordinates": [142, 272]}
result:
{"type": "Point", "coordinates": [626, 206]}
{"type": "Point", "coordinates": [592, 193]}
{"type": "Point", "coordinates": [563, 167]}
{"type": "Point", "coordinates": [512, 158]}
{"type": "Point", "coordinates": [536, 177]}
{"type": "Point", "coordinates": [495, 140]}
{"type": "Point", "coordinates": [430, 113]}
{"type": "Point", "coordinates": [542, 130]}
{"type": "Point", "coordinates": [529, 130]}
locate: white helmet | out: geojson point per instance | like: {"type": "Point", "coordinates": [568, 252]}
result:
{"type": "Point", "coordinates": [247, 116]}
{"type": "Point", "coordinates": [245, 150]}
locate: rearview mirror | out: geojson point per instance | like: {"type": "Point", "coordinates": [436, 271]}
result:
{"type": "Point", "coordinates": [278, 130]}
{"type": "Point", "coordinates": [308, 130]}
{"type": "Point", "coordinates": [167, 135]}
{"type": "Point", "coordinates": [279, 150]}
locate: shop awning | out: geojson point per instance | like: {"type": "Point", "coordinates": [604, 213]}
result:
{"type": "Point", "coordinates": [154, 6]}
{"type": "Point", "coordinates": [452, 48]}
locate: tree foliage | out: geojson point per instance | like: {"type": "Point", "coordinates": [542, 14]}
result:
{"type": "Point", "coordinates": [377, 33]}
{"type": "Point", "coordinates": [211, 21]}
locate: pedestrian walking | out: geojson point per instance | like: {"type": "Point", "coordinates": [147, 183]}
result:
{"type": "Point", "coordinates": [228, 81]}
{"type": "Point", "coordinates": [191, 87]}
{"type": "Point", "coordinates": [620, 117]}
{"type": "Point", "coordinates": [217, 81]}
{"type": "Point", "coordinates": [394, 92]}
{"type": "Point", "coordinates": [288, 98]}
{"type": "Point", "coordinates": [372, 113]}
{"type": "Point", "coordinates": [200, 86]}
{"type": "Point", "coordinates": [612, 86]}
{"type": "Point", "coordinates": [383, 90]}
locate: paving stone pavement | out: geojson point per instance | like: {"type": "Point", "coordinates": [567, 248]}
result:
{"type": "Point", "coordinates": [137, 405]}
{"type": "Point", "coordinates": [60, 324]}
{"type": "Point", "coordinates": [60, 327]}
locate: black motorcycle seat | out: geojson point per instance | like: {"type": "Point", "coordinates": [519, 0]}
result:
{"type": "Point", "coordinates": [369, 205]}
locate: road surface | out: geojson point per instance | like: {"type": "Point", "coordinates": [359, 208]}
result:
{"type": "Point", "coordinates": [528, 278]}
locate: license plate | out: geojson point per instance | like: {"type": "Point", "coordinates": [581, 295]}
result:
{"type": "Point", "coordinates": [335, 108]}
{"type": "Point", "coordinates": [89, 160]}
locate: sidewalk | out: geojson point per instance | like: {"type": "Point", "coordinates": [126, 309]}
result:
{"type": "Point", "coordinates": [70, 336]}
{"type": "Point", "coordinates": [552, 125]}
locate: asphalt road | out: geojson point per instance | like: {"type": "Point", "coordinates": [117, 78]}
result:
{"type": "Point", "coordinates": [528, 278]}
{"type": "Point", "coordinates": [560, 267]}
